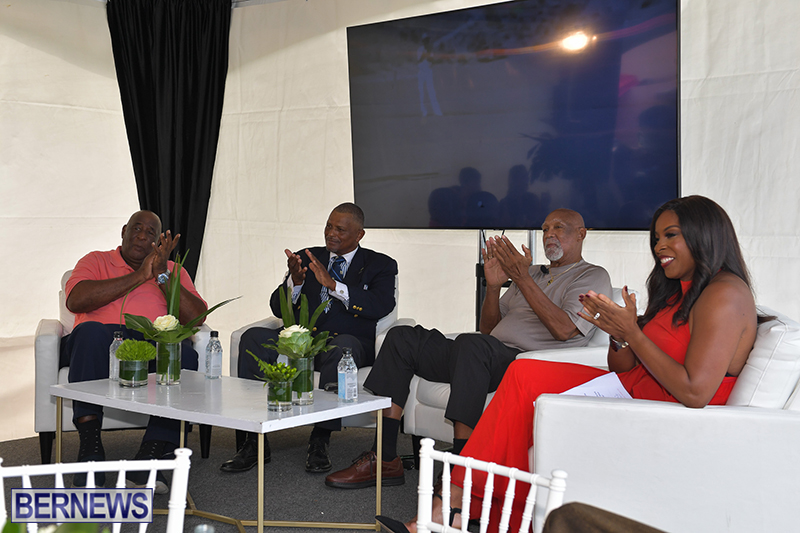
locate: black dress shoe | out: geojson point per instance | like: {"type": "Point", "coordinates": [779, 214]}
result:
{"type": "Point", "coordinates": [247, 456]}
{"type": "Point", "coordinates": [151, 449]}
{"type": "Point", "coordinates": [318, 459]}
{"type": "Point", "coordinates": [91, 449]}
{"type": "Point", "coordinates": [392, 525]}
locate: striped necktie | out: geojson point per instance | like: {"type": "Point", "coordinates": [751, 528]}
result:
{"type": "Point", "coordinates": [336, 270]}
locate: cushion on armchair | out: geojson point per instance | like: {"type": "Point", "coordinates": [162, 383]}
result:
{"type": "Point", "coordinates": [771, 373]}
{"type": "Point", "coordinates": [65, 316]}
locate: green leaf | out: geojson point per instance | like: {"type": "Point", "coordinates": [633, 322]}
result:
{"type": "Point", "coordinates": [14, 528]}
{"type": "Point", "coordinates": [287, 311]}
{"type": "Point", "coordinates": [316, 314]}
{"type": "Point", "coordinates": [139, 323]}
{"type": "Point", "coordinates": [146, 328]}
{"type": "Point", "coordinates": [200, 317]}
{"type": "Point", "coordinates": [174, 287]}
{"type": "Point", "coordinates": [297, 343]}
{"type": "Point", "coordinates": [303, 311]}
{"type": "Point", "coordinates": [124, 299]}
{"type": "Point", "coordinates": [320, 344]}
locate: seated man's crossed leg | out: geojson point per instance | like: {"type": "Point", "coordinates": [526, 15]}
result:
{"type": "Point", "coordinates": [473, 365]}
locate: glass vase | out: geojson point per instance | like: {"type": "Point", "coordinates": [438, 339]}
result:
{"type": "Point", "coordinates": [132, 373]}
{"type": "Point", "coordinates": [168, 363]}
{"type": "Point", "coordinates": [279, 395]}
{"type": "Point", "coordinates": [303, 386]}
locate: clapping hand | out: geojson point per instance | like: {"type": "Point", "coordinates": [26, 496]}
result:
{"type": "Point", "coordinates": [600, 310]}
{"type": "Point", "coordinates": [163, 248]}
{"type": "Point", "coordinates": [495, 275]}
{"type": "Point", "coordinates": [156, 261]}
{"type": "Point", "coordinates": [514, 264]}
{"type": "Point", "coordinates": [296, 268]}
{"type": "Point", "coordinates": [320, 272]}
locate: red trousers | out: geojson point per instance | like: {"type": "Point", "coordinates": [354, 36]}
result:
{"type": "Point", "coordinates": [505, 431]}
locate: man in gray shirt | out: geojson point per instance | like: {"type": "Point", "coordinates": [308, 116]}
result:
{"type": "Point", "coordinates": [538, 311]}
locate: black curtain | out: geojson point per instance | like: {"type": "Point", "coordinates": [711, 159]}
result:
{"type": "Point", "coordinates": [171, 58]}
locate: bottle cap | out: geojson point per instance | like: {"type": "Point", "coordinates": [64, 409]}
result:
{"type": "Point", "coordinates": [215, 333]}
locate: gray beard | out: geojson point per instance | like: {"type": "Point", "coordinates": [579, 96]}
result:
{"type": "Point", "coordinates": [554, 255]}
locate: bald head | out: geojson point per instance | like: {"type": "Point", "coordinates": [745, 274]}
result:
{"type": "Point", "coordinates": [563, 232]}
{"type": "Point", "coordinates": [573, 217]}
{"type": "Point", "coordinates": [146, 214]}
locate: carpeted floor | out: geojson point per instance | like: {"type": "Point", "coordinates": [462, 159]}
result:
{"type": "Point", "coordinates": [291, 492]}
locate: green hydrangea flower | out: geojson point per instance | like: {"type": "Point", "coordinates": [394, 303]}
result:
{"type": "Point", "coordinates": [131, 350]}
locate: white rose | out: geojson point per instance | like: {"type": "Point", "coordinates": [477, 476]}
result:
{"type": "Point", "coordinates": [166, 323]}
{"type": "Point", "coordinates": [291, 330]}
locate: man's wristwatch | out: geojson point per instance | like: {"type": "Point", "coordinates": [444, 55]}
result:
{"type": "Point", "coordinates": [617, 345]}
{"type": "Point", "coordinates": [162, 278]}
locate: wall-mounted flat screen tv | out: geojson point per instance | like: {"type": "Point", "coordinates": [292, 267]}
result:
{"type": "Point", "coordinates": [492, 116]}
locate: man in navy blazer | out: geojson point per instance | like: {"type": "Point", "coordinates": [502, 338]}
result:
{"type": "Point", "coordinates": [364, 295]}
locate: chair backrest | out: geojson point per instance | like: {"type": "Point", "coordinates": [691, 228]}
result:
{"type": "Point", "coordinates": [770, 375]}
{"type": "Point", "coordinates": [177, 498]}
{"type": "Point", "coordinates": [65, 316]}
{"type": "Point", "coordinates": [555, 497]}
{"type": "Point", "coordinates": [385, 322]}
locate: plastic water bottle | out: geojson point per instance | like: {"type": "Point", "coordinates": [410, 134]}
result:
{"type": "Point", "coordinates": [348, 377]}
{"type": "Point", "coordinates": [214, 357]}
{"type": "Point", "coordinates": [113, 362]}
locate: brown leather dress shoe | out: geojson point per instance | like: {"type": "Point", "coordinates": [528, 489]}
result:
{"type": "Point", "coordinates": [362, 473]}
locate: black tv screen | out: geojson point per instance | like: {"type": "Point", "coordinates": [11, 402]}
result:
{"type": "Point", "coordinates": [493, 116]}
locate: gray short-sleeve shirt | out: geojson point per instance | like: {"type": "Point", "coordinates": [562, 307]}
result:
{"type": "Point", "coordinates": [521, 328]}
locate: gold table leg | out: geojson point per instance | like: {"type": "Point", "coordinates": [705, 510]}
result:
{"type": "Point", "coordinates": [379, 469]}
{"type": "Point", "coordinates": [260, 483]}
{"type": "Point", "coordinates": [59, 415]}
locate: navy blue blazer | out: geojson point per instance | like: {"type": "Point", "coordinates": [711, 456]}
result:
{"type": "Point", "coordinates": [370, 281]}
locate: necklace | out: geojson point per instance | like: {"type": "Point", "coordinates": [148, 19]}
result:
{"type": "Point", "coordinates": [553, 277]}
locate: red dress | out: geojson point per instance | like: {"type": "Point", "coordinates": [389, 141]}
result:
{"type": "Point", "coordinates": [504, 433]}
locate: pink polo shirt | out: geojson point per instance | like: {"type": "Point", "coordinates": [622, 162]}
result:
{"type": "Point", "coordinates": [145, 300]}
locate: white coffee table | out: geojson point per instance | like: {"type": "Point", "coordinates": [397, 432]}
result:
{"type": "Point", "coordinates": [231, 403]}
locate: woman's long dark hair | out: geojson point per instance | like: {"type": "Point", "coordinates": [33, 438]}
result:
{"type": "Point", "coordinates": [711, 240]}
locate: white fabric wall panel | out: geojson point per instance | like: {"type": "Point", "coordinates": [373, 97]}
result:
{"type": "Point", "coordinates": [740, 111]}
{"type": "Point", "coordinates": [66, 177]}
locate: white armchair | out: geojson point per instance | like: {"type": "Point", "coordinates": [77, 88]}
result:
{"type": "Point", "coordinates": [731, 468]}
{"type": "Point", "coordinates": [46, 353]}
{"type": "Point", "coordinates": [424, 410]}
{"type": "Point", "coordinates": [381, 329]}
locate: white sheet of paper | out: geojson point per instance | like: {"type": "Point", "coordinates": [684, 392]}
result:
{"type": "Point", "coordinates": [606, 386]}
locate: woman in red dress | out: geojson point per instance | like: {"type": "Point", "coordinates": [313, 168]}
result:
{"type": "Point", "coordinates": [688, 347]}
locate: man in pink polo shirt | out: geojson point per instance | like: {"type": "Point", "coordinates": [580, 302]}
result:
{"type": "Point", "coordinates": [95, 292]}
